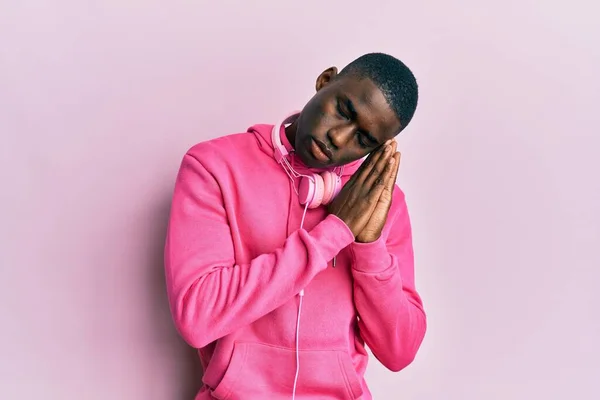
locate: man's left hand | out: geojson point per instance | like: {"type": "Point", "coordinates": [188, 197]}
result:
{"type": "Point", "coordinates": [372, 231]}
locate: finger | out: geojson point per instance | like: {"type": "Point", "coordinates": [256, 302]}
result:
{"type": "Point", "coordinates": [388, 192]}
{"type": "Point", "coordinates": [398, 157]}
{"type": "Point", "coordinates": [380, 183]}
{"type": "Point", "coordinates": [379, 167]}
{"type": "Point", "coordinates": [367, 161]}
{"type": "Point", "coordinates": [365, 169]}
{"type": "Point", "coordinates": [381, 164]}
{"type": "Point", "coordinates": [367, 202]}
{"type": "Point", "coordinates": [392, 180]}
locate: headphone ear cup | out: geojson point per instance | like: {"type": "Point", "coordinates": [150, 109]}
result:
{"type": "Point", "coordinates": [337, 188]}
{"type": "Point", "coordinates": [331, 186]}
{"type": "Point", "coordinates": [311, 190]}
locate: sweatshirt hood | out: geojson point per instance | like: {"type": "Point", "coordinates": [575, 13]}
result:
{"type": "Point", "coordinates": [262, 133]}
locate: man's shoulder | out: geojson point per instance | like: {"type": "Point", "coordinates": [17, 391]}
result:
{"type": "Point", "coordinates": [222, 144]}
{"type": "Point", "coordinates": [231, 154]}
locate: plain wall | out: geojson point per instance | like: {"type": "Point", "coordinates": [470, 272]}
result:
{"type": "Point", "coordinates": [98, 103]}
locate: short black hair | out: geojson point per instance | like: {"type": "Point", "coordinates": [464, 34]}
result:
{"type": "Point", "coordinates": [393, 78]}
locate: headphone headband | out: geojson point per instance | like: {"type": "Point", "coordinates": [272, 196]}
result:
{"type": "Point", "coordinates": [279, 150]}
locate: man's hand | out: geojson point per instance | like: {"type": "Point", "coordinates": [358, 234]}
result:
{"type": "Point", "coordinates": [372, 230]}
{"type": "Point", "coordinates": [360, 196]}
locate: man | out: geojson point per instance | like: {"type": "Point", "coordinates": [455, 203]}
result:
{"type": "Point", "coordinates": [277, 277]}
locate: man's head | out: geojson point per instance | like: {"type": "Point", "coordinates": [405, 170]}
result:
{"type": "Point", "coordinates": [370, 101]}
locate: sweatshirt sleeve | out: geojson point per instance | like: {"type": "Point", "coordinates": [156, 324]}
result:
{"type": "Point", "coordinates": [210, 295]}
{"type": "Point", "coordinates": [392, 320]}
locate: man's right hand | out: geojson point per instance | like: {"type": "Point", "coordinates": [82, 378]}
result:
{"type": "Point", "coordinates": [357, 200]}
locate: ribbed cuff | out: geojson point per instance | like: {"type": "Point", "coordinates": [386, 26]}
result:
{"type": "Point", "coordinates": [370, 257]}
{"type": "Point", "coordinates": [332, 235]}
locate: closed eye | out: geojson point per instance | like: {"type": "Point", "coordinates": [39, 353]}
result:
{"type": "Point", "coordinates": [341, 112]}
{"type": "Point", "coordinates": [366, 141]}
{"type": "Point", "coordinates": [362, 141]}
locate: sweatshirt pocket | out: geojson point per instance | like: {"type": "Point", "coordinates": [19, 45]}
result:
{"type": "Point", "coordinates": [259, 371]}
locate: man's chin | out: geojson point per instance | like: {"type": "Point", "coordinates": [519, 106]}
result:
{"type": "Point", "coordinates": [313, 163]}
{"type": "Point", "coordinates": [310, 162]}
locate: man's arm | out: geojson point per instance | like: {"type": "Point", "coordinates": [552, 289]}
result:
{"type": "Point", "coordinates": [210, 295]}
{"type": "Point", "coordinates": [391, 317]}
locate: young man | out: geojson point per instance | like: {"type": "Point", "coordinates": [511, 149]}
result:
{"type": "Point", "coordinates": [277, 276]}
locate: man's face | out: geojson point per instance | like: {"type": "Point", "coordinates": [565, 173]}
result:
{"type": "Point", "coordinates": [346, 119]}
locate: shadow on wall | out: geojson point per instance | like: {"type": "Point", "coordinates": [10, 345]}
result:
{"type": "Point", "coordinates": [186, 369]}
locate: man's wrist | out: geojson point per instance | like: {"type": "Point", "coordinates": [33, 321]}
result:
{"type": "Point", "coordinates": [366, 239]}
{"type": "Point", "coordinates": [370, 257]}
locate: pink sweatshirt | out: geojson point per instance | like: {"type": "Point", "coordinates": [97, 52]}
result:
{"type": "Point", "coordinates": [236, 261]}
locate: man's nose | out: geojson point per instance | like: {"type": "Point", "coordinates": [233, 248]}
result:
{"type": "Point", "coordinates": [341, 135]}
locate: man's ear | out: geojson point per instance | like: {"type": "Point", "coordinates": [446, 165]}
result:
{"type": "Point", "coordinates": [326, 77]}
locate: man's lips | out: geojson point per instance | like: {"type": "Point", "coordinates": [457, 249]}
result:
{"type": "Point", "coordinates": [320, 151]}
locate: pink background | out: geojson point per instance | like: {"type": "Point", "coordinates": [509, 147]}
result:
{"type": "Point", "coordinates": [99, 102]}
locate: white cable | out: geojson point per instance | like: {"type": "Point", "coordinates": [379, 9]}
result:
{"type": "Point", "coordinates": [303, 215]}
{"type": "Point", "coordinates": [297, 345]}
{"type": "Point", "coordinates": [298, 324]}
{"type": "Point", "coordinates": [292, 174]}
